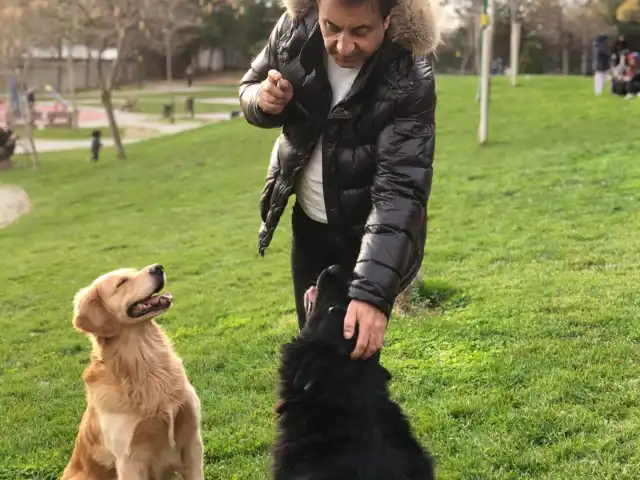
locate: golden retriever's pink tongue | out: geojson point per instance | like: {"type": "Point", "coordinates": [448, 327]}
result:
{"type": "Point", "coordinates": [162, 301]}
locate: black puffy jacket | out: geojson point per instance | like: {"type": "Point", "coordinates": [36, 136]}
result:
{"type": "Point", "coordinates": [378, 142]}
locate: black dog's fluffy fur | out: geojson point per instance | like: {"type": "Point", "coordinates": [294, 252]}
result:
{"type": "Point", "coordinates": [336, 420]}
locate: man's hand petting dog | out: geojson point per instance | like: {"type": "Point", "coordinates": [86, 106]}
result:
{"type": "Point", "coordinates": [372, 325]}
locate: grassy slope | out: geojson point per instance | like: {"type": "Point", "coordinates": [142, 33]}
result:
{"type": "Point", "coordinates": [532, 372]}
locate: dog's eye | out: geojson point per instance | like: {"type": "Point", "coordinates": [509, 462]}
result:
{"type": "Point", "coordinates": [121, 282]}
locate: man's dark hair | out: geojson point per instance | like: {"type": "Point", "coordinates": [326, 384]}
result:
{"type": "Point", "coordinates": [385, 6]}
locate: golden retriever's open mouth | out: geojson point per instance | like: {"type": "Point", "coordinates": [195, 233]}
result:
{"type": "Point", "coordinates": [154, 303]}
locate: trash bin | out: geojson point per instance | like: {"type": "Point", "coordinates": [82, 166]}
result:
{"type": "Point", "coordinates": [167, 111]}
{"type": "Point", "coordinates": [189, 106]}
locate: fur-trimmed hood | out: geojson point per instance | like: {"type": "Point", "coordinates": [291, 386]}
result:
{"type": "Point", "coordinates": [414, 23]}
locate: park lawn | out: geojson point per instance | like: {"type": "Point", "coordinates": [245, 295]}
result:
{"type": "Point", "coordinates": [119, 96]}
{"type": "Point", "coordinates": [62, 133]}
{"type": "Point", "coordinates": [528, 367]}
{"type": "Point", "coordinates": [155, 106]}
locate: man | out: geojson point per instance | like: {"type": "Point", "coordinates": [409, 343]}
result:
{"type": "Point", "coordinates": [600, 63]}
{"type": "Point", "coordinates": [189, 74]}
{"type": "Point", "coordinates": [348, 83]}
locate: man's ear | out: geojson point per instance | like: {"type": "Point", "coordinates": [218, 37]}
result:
{"type": "Point", "coordinates": [387, 21]}
{"type": "Point", "coordinates": [91, 316]}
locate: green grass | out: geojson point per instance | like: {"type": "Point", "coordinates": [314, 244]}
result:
{"type": "Point", "coordinates": [61, 133]}
{"type": "Point", "coordinates": [153, 105]}
{"type": "Point", "coordinates": [526, 364]}
{"type": "Point", "coordinates": [150, 94]}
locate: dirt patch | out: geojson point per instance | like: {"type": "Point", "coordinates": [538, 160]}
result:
{"type": "Point", "coordinates": [14, 202]}
{"type": "Point", "coordinates": [142, 133]}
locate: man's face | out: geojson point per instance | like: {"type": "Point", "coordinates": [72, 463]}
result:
{"type": "Point", "coordinates": [351, 33]}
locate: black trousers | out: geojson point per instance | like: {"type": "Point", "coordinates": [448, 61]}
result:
{"type": "Point", "coordinates": [314, 247]}
{"type": "Point", "coordinates": [633, 86]}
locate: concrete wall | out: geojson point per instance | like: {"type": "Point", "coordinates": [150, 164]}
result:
{"type": "Point", "coordinates": [56, 73]}
{"type": "Point", "coordinates": [210, 60]}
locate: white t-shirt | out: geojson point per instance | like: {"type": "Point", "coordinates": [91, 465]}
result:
{"type": "Point", "coordinates": [309, 190]}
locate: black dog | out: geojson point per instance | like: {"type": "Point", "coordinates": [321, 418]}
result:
{"type": "Point", "coordinates": [336, 420]}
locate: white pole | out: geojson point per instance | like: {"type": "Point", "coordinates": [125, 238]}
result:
{"type": "Point", "coordinates": [515, 52]}
{"type": "Point", "coordinates": [485, 71]}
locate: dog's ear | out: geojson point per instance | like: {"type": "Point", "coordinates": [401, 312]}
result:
{"type": "Point", "coordinates": [91, 316]}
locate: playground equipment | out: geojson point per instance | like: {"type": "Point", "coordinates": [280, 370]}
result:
{"type": "Point", "coordinates": [60, 104]}
{"type": "Point", "coordinates": [60, 115]}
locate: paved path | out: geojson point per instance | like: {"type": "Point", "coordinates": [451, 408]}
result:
{"type": "Point", "coordinates": [96, 118]}
{"type": "Point", "coordinates": [159, 100]}
{"type": "Point", "coordinates": [220, 100]}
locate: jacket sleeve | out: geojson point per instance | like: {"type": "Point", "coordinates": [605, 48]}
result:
{"type": "Point", "coordinates": [396, 226]}
{"type": "Point", "coordinates": [266, 60]}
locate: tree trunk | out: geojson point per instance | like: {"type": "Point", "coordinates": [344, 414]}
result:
{"type": "Point", "coordinates": [210, 62]}
{"type": "Point", "coordinates": [565, 60]}
{"type": "Point", "coordinates": [584, 56]}
{"type": "Point", "coordinates": [476, 47]}
{"type": "Point", "coordinates": [464, 62]}
{"type": "Point", "coordinates": [87, 70]}
{"type": "Point", "coordinates": [29, 126]}
{"type": "Point", "coordinates": [113, 126]}
{"type": "Point", "coordinates": [170, 71]}
{"type": "Point", "coordinates": [59, 69]}
{"type": "Point", "coordinates": [71, 84]}
{"type": "Point", "coordinates": [169, 59]}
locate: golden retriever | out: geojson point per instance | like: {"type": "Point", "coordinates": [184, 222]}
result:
{"type": "Point", "coordinates": [142, 419]}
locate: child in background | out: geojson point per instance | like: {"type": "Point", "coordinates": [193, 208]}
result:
{"type": "Point", "coordinates": [96, 145]}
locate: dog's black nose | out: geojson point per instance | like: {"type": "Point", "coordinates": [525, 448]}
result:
{"type": "Point", "coordinates": [156, 269]}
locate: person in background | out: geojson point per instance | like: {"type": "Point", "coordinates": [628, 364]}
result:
{"type": "Point", "coordinates": [351, 86]}
{"type": "Point", "coordinates": [632, 76]}
{"type": "Point", "coordinates": [618, 67]}
{"type": "Point", "coordinates": [31, 98]}
{"type": "Point", "coordinates": [619, 50]}
{"type": "Point", "coordinates": [189, 74]}
{"type": "Point", "coordinates": [600, 63]}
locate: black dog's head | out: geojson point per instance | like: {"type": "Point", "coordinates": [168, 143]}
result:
{"type": "Point", "coordinates": [326, 306]}
{"type": "Point", "coordinates": [96, 133]}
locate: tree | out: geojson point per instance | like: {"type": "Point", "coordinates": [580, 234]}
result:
{"type": "Point", "coordinates": [169, 25]}
{"type": "Point", "coordinates": [103, 25]}
{"type": "Point", "coordinates": [468, 11]}
{"type": "Point", "coordinates": [20, 32]}
{"type": "Point", "coordinates": [628, 11]}
{"type": "Point", "coordinates": [585, 21]}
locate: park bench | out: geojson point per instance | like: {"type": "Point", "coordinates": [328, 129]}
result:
{"type": "Point", "coordinates": [59, 119]}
